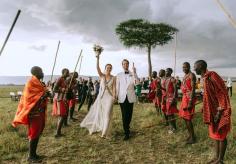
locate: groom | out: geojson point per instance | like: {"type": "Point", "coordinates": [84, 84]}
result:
{"type": "Point", "coordinates": [125, 82]}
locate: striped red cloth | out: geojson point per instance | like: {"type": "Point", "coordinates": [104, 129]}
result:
{"type": "Point", "coordinates": [215, 95]}
{"type": "Point", "coordinates": [155, 87]}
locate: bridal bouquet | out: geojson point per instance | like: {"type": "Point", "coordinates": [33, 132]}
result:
{"type": "Point", "coordinates": [97, 49]}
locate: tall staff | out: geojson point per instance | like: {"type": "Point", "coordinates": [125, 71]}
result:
{"type": "Point", "coordinates": [9, 33]}
{"type": "Point", "coordinates": [175, 53]}
{"type": "Point", "coordinates": [55, 60]}
{"type": "Point", "coordinates": [75, 68]}
{"type": "Point", "coordinates": [230, 17]}
{"type": "Point", "coordinates": [80, 64]}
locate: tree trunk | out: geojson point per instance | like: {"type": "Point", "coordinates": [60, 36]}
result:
{"type": "Point", "coordinates": [149, 62]}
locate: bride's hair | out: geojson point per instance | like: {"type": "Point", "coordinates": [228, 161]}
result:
{"type": "Point", "coordinates": [108, 65]}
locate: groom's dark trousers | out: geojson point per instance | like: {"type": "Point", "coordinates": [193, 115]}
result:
{"type": "Point", "coordinates": [127, 111]}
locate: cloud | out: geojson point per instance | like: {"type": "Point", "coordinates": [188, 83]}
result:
{"type": "Point", "coordinates": [204, 31]}
{"type": "Point", "coordinates": [94, 20]}
{"type": "Point", "coordinates": [38, 48]}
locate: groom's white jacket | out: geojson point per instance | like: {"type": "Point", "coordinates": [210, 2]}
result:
{"type": "Point", "coordinates": [125, 86]}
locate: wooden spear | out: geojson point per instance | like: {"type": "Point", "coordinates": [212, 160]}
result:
{"type": "Point", "coordinates": [75, 68]}
{"type": "Point", "coordinates": [229, 16]}
{"type": "Point", "coordinates": [55, 60]}
{"type": "Point", "coordinates": [80, 64]}
{"type": "Point", "coordinates": [175, 53]}
{"type": "Point", "coordinates": [9, 33]}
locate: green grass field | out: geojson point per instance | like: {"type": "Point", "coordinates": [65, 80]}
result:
{"type": "Point", "coordinates": [147, 145]}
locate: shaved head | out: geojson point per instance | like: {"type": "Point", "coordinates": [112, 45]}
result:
{"type": "Point", "coordinates": [186, 67]}
{"type": "Point", "coordinates": [169, 72]}
{"type": "Point", "coordinates": [162, 73]}
{"type": "Point", "coordinates": [76, 75]}
{"type": "Point", "coordinates": [65, 72]}
{"type": "Point", "coordinates": [202, 63]}
{"type": "Point", "coordinates": [154, 74]}
{"type": "Point", "coordinates": [200, 67]}
{"type": "Point", "coordinates": [37, 71]}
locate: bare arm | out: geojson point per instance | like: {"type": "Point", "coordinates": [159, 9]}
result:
{"type": "Point", "coordinates": [56, 88]}
{"type": "Point", "coordinates": [193, 84]}
{"type": "Point", "coordinates": [98, 68]}
{"type": "Point", "coordinates": [175, 88]}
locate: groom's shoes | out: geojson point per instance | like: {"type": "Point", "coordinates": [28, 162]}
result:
{"type": "Point", "coordinates": [126, 138]}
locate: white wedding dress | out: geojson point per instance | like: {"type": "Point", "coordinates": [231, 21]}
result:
{"type": "Point", "coordinates": [99, 116]}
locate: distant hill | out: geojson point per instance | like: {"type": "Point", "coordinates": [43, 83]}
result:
{"type": "Point", "coordinates": [21, 80]}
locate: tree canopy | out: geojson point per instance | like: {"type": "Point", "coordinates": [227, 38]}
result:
{"type": "Point", "coordinates": [143, 34]}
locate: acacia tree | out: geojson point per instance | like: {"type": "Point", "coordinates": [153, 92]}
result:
{"type": "Point", "coordinates": [143, 34]}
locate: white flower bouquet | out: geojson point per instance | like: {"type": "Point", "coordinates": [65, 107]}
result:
{"type": "Point", "coordinates": [97, 49]}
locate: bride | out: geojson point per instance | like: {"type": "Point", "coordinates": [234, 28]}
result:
{"type": "Point", "coordinates": [99, 116]}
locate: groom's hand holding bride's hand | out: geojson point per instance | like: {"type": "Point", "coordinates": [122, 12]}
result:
{"type": "Point", "coordinates": [114, 99]}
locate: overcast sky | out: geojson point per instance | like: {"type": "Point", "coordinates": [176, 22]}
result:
{"type": "Point", "coordinates": [204, 33]}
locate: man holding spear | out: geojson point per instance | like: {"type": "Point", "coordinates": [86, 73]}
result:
{"type": "Point", "coordinates": [71, 95]}
{"type": "Point", "coordinates": [60, 105]}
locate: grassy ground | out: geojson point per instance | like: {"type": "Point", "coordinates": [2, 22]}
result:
{"type": "Point", "coordinates": [147, 145]}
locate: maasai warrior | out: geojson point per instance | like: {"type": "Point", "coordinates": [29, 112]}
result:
{"type": "Point", "coordinates": [155, 88]}
{"type": "Point", "coordinates": [216, 108]}
{"type": "Point", "coordinates": [31, 111]}
{"type": "Point", "coordinates": [187, 106]}
{"type": "Point", "coordinates": [170, 100]}
{"type": "Point", "coordinates": [60, 104]}
{"type": "Point", "coordinates": [162, 75]}
{"type": "Point", "coordinates": [71, 94]}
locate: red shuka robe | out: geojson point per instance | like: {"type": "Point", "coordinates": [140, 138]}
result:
{"type": "Point", "coordinates": [73, 87]}
{"type": "Point", "coordinates": [28, 109]}
{"type": "Point", "coordinates": [154, 86]}
{"type": "Point", "coordinates": [186, 88]}
{"type": "Point", "coordinates": [168, 97]}
{"type": "Point", "coordinates": [60, 104]}
{"type": "Point", "coordinates": [163, 101]}
{"type": "Point", "coordinates": [215, 95]}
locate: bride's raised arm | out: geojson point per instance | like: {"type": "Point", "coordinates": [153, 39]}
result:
{"type": "Point", "coordinates": [98, 67]}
